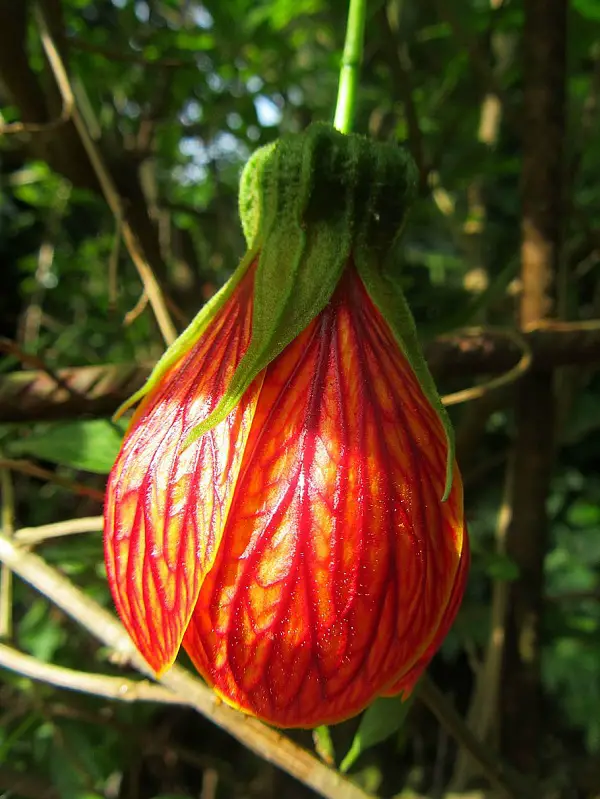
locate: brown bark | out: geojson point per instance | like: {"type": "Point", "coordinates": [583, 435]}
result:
{"type": "Point", "coordinates": [552, 345]}
{"type": "Point", "coordinates": [86, 391]}
{"type": "Point", "coordinates": [544, 64]}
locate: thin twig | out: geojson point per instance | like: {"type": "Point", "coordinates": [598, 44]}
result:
{"type": "Point", "coordinates": [8, 524]}
{"type": "Point", "coordinates": [482, 716]}
{"type": "Point", "coordinates": [137, 309]}
{"type": "Point", "coordinates": [107, 184]}
{"type": "Point", "coordinates": [31, 469]}
{"type": "Point", "coordinates": [30, 536]}
{"type": "Point", "coordinates": [20, 128]}
{"type": "Point", "coordinates": [517, 371]}
{"type": "Point", "coordinates": [269, 744]}
{"type": "Point", "coordinates": [498, 773]}
{"type": "Point", "coordinates": [33, 395]}
{"type": "Point", "coordinates": [97, 684]}
{"type": "Point", "coordinates": [35, 362]}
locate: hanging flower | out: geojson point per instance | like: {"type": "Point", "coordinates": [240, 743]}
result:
{"type": "Point", "coordinates": [285, 504]}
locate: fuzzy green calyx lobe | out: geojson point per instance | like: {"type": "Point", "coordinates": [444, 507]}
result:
{"type": "Point", "coordinates": [322, 176]}
{"type": "Point", "coordinates": [307, 203]}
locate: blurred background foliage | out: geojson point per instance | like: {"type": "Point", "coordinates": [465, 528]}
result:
{"type": "Point", "coordinates": [176, 94]}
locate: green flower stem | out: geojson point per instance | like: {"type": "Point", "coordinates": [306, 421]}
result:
{"type": "Point", "coordinates": [351, 61]}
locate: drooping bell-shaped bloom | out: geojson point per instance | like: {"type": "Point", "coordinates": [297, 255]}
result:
{"type": "Point", "coordinates": [285, 505]}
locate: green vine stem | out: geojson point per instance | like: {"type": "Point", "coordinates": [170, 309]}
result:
{"type": "Point", "coordinates": [351, 61]}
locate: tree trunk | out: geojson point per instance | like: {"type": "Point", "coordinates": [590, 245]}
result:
{"type": "Point", "coordinates": [532, 459]}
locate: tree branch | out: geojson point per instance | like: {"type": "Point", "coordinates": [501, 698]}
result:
{"type": "Point", "coordinates": [25, 396]}
{"type": "Point", "coordinates": [532, 460]}
{"type": "Point", "coordinates": [97, 684]}
{"type": "Point", "coordinates": [33, 470]}
{"type": "Point", "coordinates": [30, 536]}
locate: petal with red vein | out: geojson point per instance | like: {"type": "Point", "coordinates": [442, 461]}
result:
{"type": "Point", "coordinates": [165, 505]}
{"type": "Point", "coordinates": [338, 559]}
{"type": "Point", "coordinates": [405, 685]}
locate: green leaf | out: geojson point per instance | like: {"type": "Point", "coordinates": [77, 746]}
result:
{"type": "Point", "coordinates": [590, 9]}
{"type": "Point", "coordinates": [40, 633]}
{"type": "Point", "coordinates": [195, 42]}
{"type": "Point", "coordinates": [583, 514]}
{"type": "Point", "coordinates": [91, 445]}
{"type": "Point", "coordinates": [18, 734]}
{"type": "Point", "coordinates": [380, 721]}
{"type": "Point", "coordinates": [68, 774]}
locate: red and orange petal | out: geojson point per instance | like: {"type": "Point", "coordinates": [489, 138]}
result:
{"type": "Point", "coordinates": [339, 570]}
{"type": "Point", "coordinates": [405, 685]}
{"type": "Point", "coordinates": [165, 505]}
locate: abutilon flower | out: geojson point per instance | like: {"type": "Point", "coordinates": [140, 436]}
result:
{"type": "Point", "coordinates": [285, 505]}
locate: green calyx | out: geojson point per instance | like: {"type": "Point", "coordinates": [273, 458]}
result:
{"type": "Point", "coordinates": [311, 203]}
